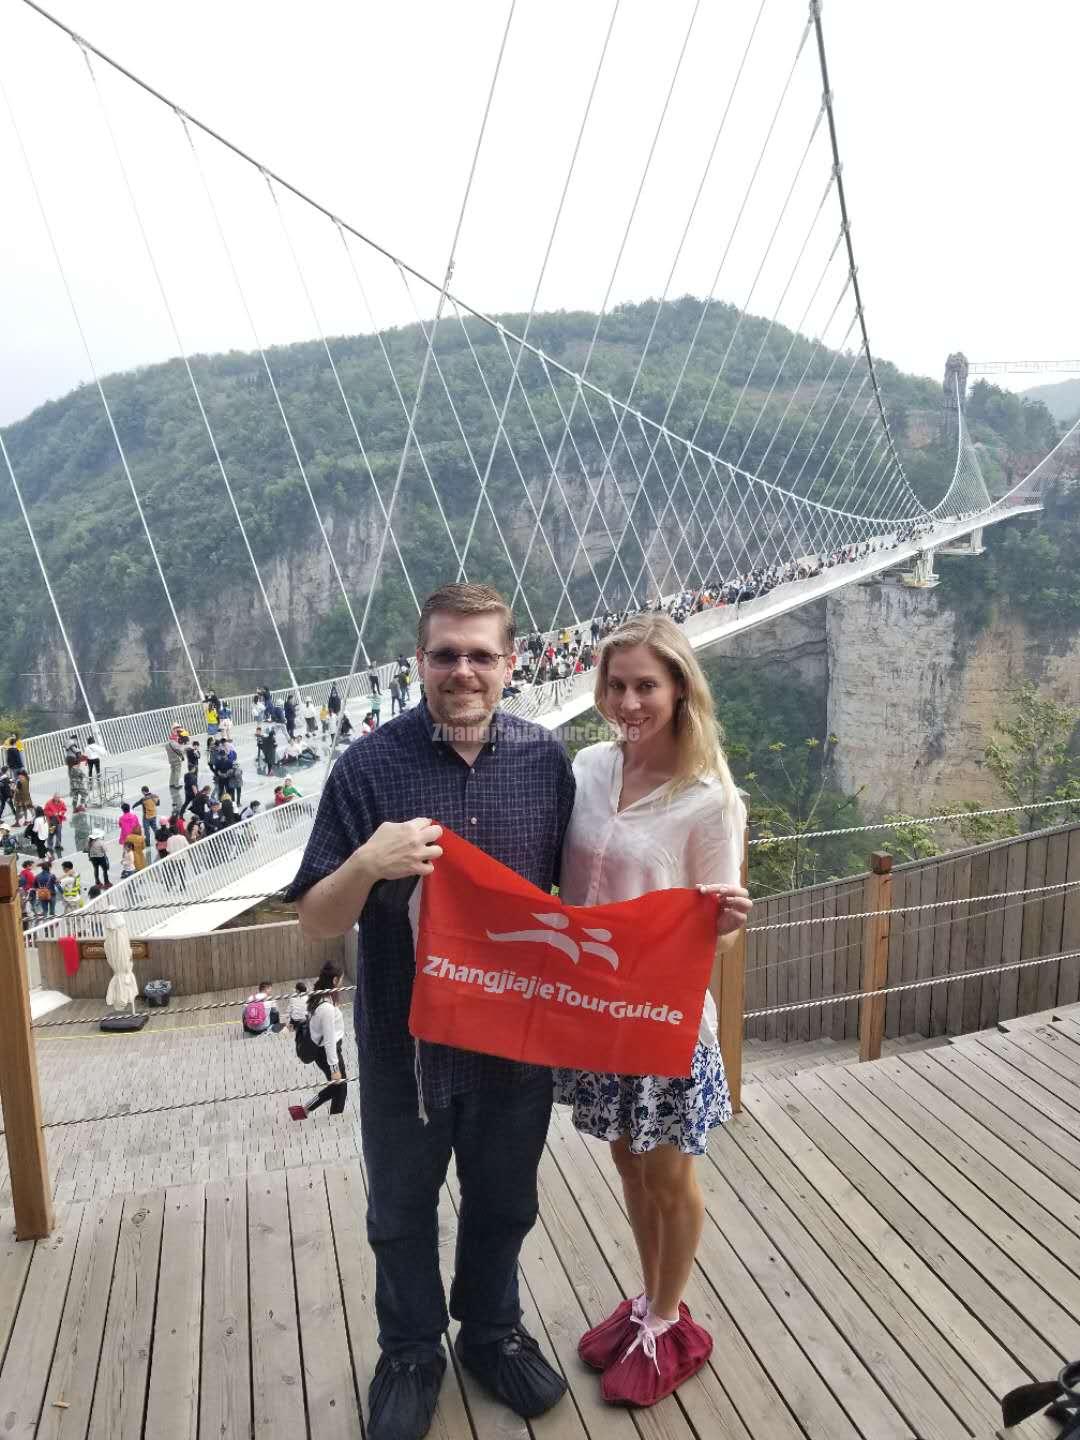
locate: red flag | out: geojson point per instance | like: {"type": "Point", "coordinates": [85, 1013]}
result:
{"type": "Point", "coordinates": [503, 968]}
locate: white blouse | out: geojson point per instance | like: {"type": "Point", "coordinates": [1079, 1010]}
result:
{"type": "Point", "coordinates": [667, 840]}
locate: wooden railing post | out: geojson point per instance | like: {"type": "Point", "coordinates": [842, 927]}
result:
{"type": "Point", "coordinates": [31, 1192]}
{"type": "Point", "coordinates": [877, 896]}
{"type": "Point", "coordinates": [731, 999]}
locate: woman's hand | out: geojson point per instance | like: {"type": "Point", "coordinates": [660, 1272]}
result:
{"type": "Point", "coordinates": [733, 907]}
{"type": "Point", "coordinates": [336, 1077]}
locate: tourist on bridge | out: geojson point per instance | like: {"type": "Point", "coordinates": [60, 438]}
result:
{"type": "Point", "coordinates": [290, 714]}
{"type": "Point", "coordinates": [333, 700]}
{"type": "Point", "coordinates": [225, 721]}
{"type": "Point", "coordinates": [373, 684]}
{"type": "Point", "coordinates": [7, 794]}
{"type": "Point", "coordinates": [311, 716]}
{"type": "Point", "coordinates": [79, 780]}
{"type": "Point", "coordinates": [419, 1103]}
{"type": "Point", "coordinates": [127, 860]}
{"type": "Point", "coordinates": [94, 753]}
{"type": "Point", "coordinates": [148, 802]}
{"type": "Point", "coordinates": [46, 889]}
{"type": "Point", "coordinates": [56, 813]}
{"type": "Point", "coordinates": [13, 754]}
{"type": "Point", "coordinates": [39, 832]}
{"type": "Point", "coordinates": [396, 702]}
{"type": "Point", "coordinates": [175, 748]}
{"type": "Point", "coordinates": [128, 822]}
{"type": "Point", "coordinates": [192, 754]}
{"type": "Point", "coordinates": [191, 788]}
{"type": "Point", "coordinates": [24, 806]}
{"type": "Point", "coordinates": [70, 887]}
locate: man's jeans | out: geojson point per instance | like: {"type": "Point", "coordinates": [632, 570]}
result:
{"type": "Point", "coordinates": [497, 1137]}
{"type": "Point", "coordinates": [149, 830]}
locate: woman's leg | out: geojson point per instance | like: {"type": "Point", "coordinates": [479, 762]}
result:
{"type": "Point", "coordinates": [672, 1188]}
{"type": "Point", "coordinates": [644, 1216]}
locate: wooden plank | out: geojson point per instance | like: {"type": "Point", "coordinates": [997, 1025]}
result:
{"type": "Point", "coordinates": [15, 1257]}
{"type": "Point", "coordinates": [909, 1248]}
{"type": "Point", "coordinates": [994, 1285]}
{"type": "Point", "coordinates": [996, 882]}
{"type": "Point", "coordinates": [173, 1404]}
{"type": "Point", "coordinates": [908, 926]}
{"type": "Point", "coordinates": [29, 1356]}
{"type": "Point", "coordinates": [277, 1381]}
{"type": "Point", "coordinates": [894, 959]}
{"type": "Point", "coordinates": [951, 1109]}
{"type": "Point", "coordinates": [925, 961]}
{"type": "Point", "coordinates": [1047, 979]}
{"type": "Point", "coordinates": [958, 933]}
{"type": "Point", "coordinates": [225, 1387]}
{"type": "Point", "coordinates": [744, 1151]}
{"type": "Point", "coordinates": [74, 1373]}
{"type": "Point", "coordinates": [1012, 928]}
{"type": "Point", "coordinates": [975, 949]}
{"type": "Point", "coordinates": [1069, 970]}
{"type": "Point", "coordinates": [1031, 933]}
{"type": "Point", "coordinates": [333, 1412]}
{"type": "Point", "coordinates": [943, 920]}
{"type": "Point", "coordinates": [859, 1389]}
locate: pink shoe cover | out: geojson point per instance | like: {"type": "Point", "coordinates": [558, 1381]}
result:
{"type": "Point", "coordinates": [605, 1343]}
{"type": "Point", "coordinates": [655, 1365]}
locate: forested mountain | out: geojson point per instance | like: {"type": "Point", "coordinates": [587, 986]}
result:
{"type": "Point", "coordinates": [100, 564]}
{"type": "Point", "coordinates": [1062, 399]}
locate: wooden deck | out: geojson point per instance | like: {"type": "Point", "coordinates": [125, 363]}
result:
{"type": "Point", "coordinates": [887, 1249]}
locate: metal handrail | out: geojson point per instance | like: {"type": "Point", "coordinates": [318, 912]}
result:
{"type": "Point", "coordinates": [201, 871]}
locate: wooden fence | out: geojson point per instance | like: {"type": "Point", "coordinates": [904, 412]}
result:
{"type": "Point", "coordinates": [196, 964]}
{"type": "Point", "coordinates": [821, 959]}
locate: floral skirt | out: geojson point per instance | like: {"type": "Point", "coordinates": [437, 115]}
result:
{"type": "Point", "coordinates": [651, 1109]}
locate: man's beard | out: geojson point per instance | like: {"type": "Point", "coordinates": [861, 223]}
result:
{"type": "Point", "coordinates": [461, 709]}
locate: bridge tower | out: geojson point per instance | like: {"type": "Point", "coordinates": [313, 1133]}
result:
{"type": "Point", "coordinates": [954, 387]}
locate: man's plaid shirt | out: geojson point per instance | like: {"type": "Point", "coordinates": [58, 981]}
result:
{"type": "Point", "coordinates": [514, 802]}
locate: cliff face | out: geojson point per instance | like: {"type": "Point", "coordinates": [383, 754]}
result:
{"type": "Point", "coordinates": [913, 697]}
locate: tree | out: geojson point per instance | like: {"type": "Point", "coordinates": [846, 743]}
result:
{"type": "Point", "coordinates": [1031, 757]}
{"type": "Point", "coordinates": [791, 797]}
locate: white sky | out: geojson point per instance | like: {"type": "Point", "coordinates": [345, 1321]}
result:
{"type": "Point", "coordinates": [956, 127]}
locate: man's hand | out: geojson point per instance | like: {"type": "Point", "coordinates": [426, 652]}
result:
{"type": "Point", "coordinates": [397, 850]}
{"type": "Point", "coordinates": [733, 908]}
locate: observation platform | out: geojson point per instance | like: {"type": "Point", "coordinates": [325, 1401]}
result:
{"type": "Point", "coordinates": [888, 1248]}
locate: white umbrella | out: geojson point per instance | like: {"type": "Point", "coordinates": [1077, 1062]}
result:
{"type": "Point", "coordinates": [123, 987]}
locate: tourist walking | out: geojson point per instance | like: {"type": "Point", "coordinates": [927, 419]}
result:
{"type": "Point", "coordinates": [325, 1038]}
{"type": "Point", "coordinates": [98, 856]}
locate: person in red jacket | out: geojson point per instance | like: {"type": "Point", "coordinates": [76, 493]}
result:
{"type": "Point", "coordinates": [56, 814]}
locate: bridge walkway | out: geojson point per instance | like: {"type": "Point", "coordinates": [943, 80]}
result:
{"type": "Point", "coordinates": [888, 1248]}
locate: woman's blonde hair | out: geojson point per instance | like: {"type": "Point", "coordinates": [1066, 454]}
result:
{"type": "Point", "coordinates": [701, 751]}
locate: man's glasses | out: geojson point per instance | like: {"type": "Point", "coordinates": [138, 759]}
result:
{"type": "Point", "coordinates": [477, 659]}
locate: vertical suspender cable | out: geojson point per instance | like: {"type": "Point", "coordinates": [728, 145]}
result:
{"type": "Point", "coordinates": [48, 584]}
{"type": "Point", "coordinates": [183, 353]}
{"type": "Point", "coordinates": [100, 388]}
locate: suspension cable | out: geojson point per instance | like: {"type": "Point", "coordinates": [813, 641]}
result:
{"type": "Point", "coordinates": [137, 212]}
{"type": "Point", "coordinates": [100, 388]}
{"type": "Point", "coordinates": [48, 582]}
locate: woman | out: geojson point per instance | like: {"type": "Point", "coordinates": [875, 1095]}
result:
{"type": "Point", "coordinates": [94, 753]}
{"type": "Point", "coordinates": [98, 857]}
{"type": "Point", "coordinates": [654, 810]}
{"type": "Point", "coordinates": [40, 827]}
{"type": "Point", "coordinates": [326, 1032]}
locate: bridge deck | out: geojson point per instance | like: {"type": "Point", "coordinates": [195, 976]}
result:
{"type": "Point", "coordinates": [887, 1249]}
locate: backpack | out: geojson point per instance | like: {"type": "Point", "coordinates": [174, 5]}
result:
{"type": "Point", "coordinates": [254, 1015]}
{"type": "Point", "coordinates": [306, 1049]}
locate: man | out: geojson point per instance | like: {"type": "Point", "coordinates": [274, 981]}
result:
{"type": "Point", "coordinates": [311, 716]}
{"type": "Point", "coordinates": [149, 803]}
{"type": "Point", "coordinates": [395, 696]}
{"type": "Point", "coordinates": [455, 758]}
{"type": "Point", "coordinates": [174, 753]}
